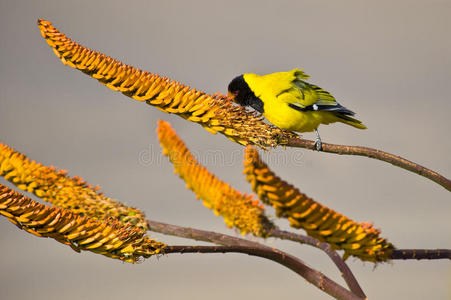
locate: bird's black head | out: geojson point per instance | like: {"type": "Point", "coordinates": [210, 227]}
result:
{"type": "Point", "coordinates": [239, 91]}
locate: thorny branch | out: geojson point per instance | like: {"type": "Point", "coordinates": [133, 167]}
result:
{"type": "Point", "coordinates": [376, 154]}
{"type": "Point", "coordinates": [315, 277]}
{"type": "Point", "coordinates": [420, 254]}
{"type": "Point", "coordinates": [345, 272]}
{"type": "Point", "coordinates": [348, 276]}
{"type": "Point", "coordinates": [239, 245]}
{"type": "Point", "coordinates": [243, 246]}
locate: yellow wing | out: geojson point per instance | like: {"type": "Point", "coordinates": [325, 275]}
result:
{"type": "Point", "coordinates": [304, 96]}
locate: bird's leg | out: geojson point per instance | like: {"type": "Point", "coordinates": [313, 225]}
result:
{"type": "Point", "coordinates": [318, 143]}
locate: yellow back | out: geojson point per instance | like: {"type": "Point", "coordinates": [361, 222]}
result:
{"type": "Point", "coordinates": [273, 84]}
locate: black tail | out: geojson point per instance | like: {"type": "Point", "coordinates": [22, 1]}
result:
{"type": "Point", "coordinates": [338, 109]}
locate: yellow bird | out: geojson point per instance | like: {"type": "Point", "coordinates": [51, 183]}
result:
{"type": "Point", "coordinates": [290, 103]}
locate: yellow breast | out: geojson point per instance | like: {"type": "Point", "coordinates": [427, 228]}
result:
{"type": "Point", "coordinates": [285, 117]}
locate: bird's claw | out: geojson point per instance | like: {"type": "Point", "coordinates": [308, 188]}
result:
{"type": "Point", "coordinates": [318, 145]}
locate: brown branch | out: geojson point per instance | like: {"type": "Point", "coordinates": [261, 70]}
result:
{"type": "Point", "coordinates": [199, 235]}
{"type": "Point", "coordinates": [421, 254]}
{"type": "Point", "coordinates": [315, 277]}
{"type": "Point", "coordinates": [226, 240]}
{"type": "Point", "coordinates": [376, 154]}
{"type": "Point", "coordinates": [345, 271]}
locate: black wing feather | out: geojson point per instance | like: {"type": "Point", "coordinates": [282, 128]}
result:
{"type": "Point", "coordinates": [332, 108]}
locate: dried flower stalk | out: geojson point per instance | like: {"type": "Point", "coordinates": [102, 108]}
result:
{"type": "Point", "coordinates": [215, 113]}
{"type": "Point", "coordinates": [71, 193]}
{"type": "Point", "coordinates": [107, 237]}
{"type": "Point", "coordinates": [358, 239]}
{"type": "Point", "coordinates": [238, 210]}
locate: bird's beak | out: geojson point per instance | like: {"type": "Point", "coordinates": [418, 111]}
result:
{"type": "Point", "coordinates": [231, 96]}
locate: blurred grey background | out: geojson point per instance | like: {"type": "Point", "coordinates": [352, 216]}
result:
{"type": "Point", "coordinates": [388, 61]}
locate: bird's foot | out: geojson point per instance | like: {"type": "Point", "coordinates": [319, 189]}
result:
{"type": "Point", "coordinates": [318, 144]}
